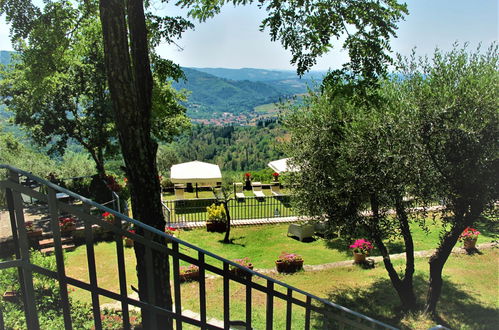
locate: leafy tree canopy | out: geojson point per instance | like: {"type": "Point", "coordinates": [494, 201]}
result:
{"type": "Point", "coordinates": [307, 27]}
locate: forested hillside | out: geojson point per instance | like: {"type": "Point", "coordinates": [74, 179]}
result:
{"type": "Point", "coordinates": [210, 96]}
{"type": "Point", "coordinates": [234, 148]}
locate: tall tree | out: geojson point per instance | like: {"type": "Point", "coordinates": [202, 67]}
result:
{"type": "Point", "coordinates": [350, 146]}
{"type": "Point", "coordinates": [456, 95]}
{"type": "Point", "coordinates": [56, 85]}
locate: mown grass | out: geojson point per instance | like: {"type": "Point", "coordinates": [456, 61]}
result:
{"type": "Point", "coordinates": [469, 298]}
{"type": "Point", "coordinates": [262, 244]}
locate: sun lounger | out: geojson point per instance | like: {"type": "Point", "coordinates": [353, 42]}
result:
{"type": "Point", "coordinates": [276, 190]}
{"type": "Point", "coordinates": [257, 189]}
{"type": "Point", "coordinates": [238, 190]}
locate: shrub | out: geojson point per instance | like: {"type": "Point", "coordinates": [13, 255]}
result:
{"type": "Point", "coordinates": [216, 213]}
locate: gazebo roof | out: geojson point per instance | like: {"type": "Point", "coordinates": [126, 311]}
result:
{"type": "Point", "coordinates": [281, 165]}
{"type": "Point", "coordinates": [196, 172]}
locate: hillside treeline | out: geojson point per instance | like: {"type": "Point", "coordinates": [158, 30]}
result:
{"type": "Point", "coordinates": [233, 148]}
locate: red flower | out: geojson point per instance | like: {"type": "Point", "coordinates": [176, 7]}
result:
{"type": "Point", "coordinates": [247, 175]}
{"type": "Point", "coordinates": [275, 174]}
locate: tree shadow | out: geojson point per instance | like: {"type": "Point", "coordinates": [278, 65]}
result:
{"type": "Point", "coordinates": [305, 240]}
{"type": "Point", "coordinates": [232, 241]}
{"type": "Point", "coordinates": [342, 244]}
{"type": "Point", "coordinates": [380, 301]}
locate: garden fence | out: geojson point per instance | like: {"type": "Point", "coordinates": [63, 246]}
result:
{"type": "Point", "coordinates": [193, 211]}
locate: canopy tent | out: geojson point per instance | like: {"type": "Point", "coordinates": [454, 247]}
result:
{"type": "Point", "coordinates": [281, 166]}
{"type": "Point", "coordinates": [196, 172]}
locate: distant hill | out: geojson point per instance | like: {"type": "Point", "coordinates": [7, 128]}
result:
{"type": "Point", "coordinates": [211, 94]}
{"type": "Point", "coordinates": [5, 56]}
{"type": "Point", "coordinates": [234, 91]}
{"type": "Point", "coordinates": [252, 74]}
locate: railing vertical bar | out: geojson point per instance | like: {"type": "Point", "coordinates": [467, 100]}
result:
{"type": "Point", "coordinates": [341, 322]}
{"type": "Point", "coordinates": [13, 224]}
{"type": "Point", "coordinates": [2, 324]}
{"type": "Point", "coordinates": [89, 240]}
{"type": "Point", "coordinates": [270, 305]}
{"type": "Point", "coordinates": [26, 274]}
{"type": "Point", "coordinates": [176, 285]}
{"type": "Point", "coordinates": [150, 280]}
{"type": "Point", "coordinates": [59, 257]}
{"type": "Point", "coordinates": [202, 290]}
{"type": "Point", "coordinates": [289, 310]}
{"type": "Point", "coordinates": [226, 297]}
{"type": "Point", "coordinates": [248, 303]}
{"type": "Point", "coordinates": [307, 312]}
{"type": "Point", "coordinates": [120, 254]}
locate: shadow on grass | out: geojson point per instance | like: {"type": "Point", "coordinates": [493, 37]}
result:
{"type": "Point", "coordinates": [380, 301]}
{"type": "Point", "coordinates": [342, 244]}
{"type": "Point", "coordinates": [231, 241]}
{"type": "Point", "coordinates": [305, 240]}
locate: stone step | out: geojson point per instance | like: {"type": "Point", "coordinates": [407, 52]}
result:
{"type": "Point", "coordinates": [65, 247]}
{"type": "Point", "coordinates": [48, 242]}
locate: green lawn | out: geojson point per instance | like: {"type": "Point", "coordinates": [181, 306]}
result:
{"type": "Point", "coordinates": [467, 300]}
{"type": "Point", "coordinates": [262, 244]}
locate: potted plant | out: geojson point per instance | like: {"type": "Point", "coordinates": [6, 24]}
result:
{"type": "Point", "coordinates": [245, 262]}
{"type": "Point", "coordinates": [31, 230]}
{"type": "Point", "coordinates": [361, 248]}
{"type": "Point", "coordinates": [275, 176]}
{"type": "Point", "coordinates": [67, 225]}
{"type": "Point", "coordinates": [247, 181]}
{"type": "Point", "coordinates": [289, 263]}
{"type": "Point", "coordinates": [469, 237]}
{"type": "Point", "coordinates": [108, 217]}
{"type": "Point", "coordinates": [10, 296]}
{"type": "Point", "coordinates": [128, 240]}
{"type": "Point", "coordinates": [189, 273]}
{"type": "Point", "coordinates": [170, 231]}
{"type": "Point", "coordinates": [217, 219]}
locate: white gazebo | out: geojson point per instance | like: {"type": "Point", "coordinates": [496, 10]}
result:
{"type": "Point", "coordinates": [281, 166]}
{"type": "Point", "coordinates": [196, 172]}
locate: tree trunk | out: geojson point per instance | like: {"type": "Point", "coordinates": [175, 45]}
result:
{"type": "Point", "coordinates": [130, 84]}
{"type": "Point", "coordinates": [462, 219]}
{"type": "Point", "coordinates": [227, 230]}
{"type": "Point", "coordinates": [404, 288]}
{"type": "Point", "coordinates": [407, 282]}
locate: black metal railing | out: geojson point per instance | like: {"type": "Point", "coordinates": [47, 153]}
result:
{"type": "Point", "coordinates": [302, 309]}
{"type": "Point", "coordinates": [194, 210]}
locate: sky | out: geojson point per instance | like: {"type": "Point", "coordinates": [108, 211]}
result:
{"type": "Point", "coordinates": [232, 39]}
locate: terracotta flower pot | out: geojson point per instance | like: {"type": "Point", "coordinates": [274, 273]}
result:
{"type": "Point", "coordinates": [289, 267]}
{"type": "Point", "coordinates": [359, 258]}
{"type": "Point", "coordinates": [128, 242]}
{"type": "Point", "coordinates": [68, 230]}
{"type": "Point", "coordinates": [469, 244]}
{"type": "Point", "coordinates": [241, 273]}
{"type": "Point", "coordinates": [35, 233]}
{"type": "Point", "coordinates": [188, 277]}
{"type": "Point", "coordinates": [10, 296]}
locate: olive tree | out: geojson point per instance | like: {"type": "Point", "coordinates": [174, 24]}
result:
{"type": "Point", "coordinates": [456, 98]}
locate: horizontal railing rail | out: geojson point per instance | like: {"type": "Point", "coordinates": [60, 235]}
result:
{"type": "Point", "coordinates": [314, 308]}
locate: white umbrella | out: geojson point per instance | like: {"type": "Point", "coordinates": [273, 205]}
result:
{"type": "Point", "coordinates": [282, 165]}
{"type": "Point", "coordinates": [196, 172]}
